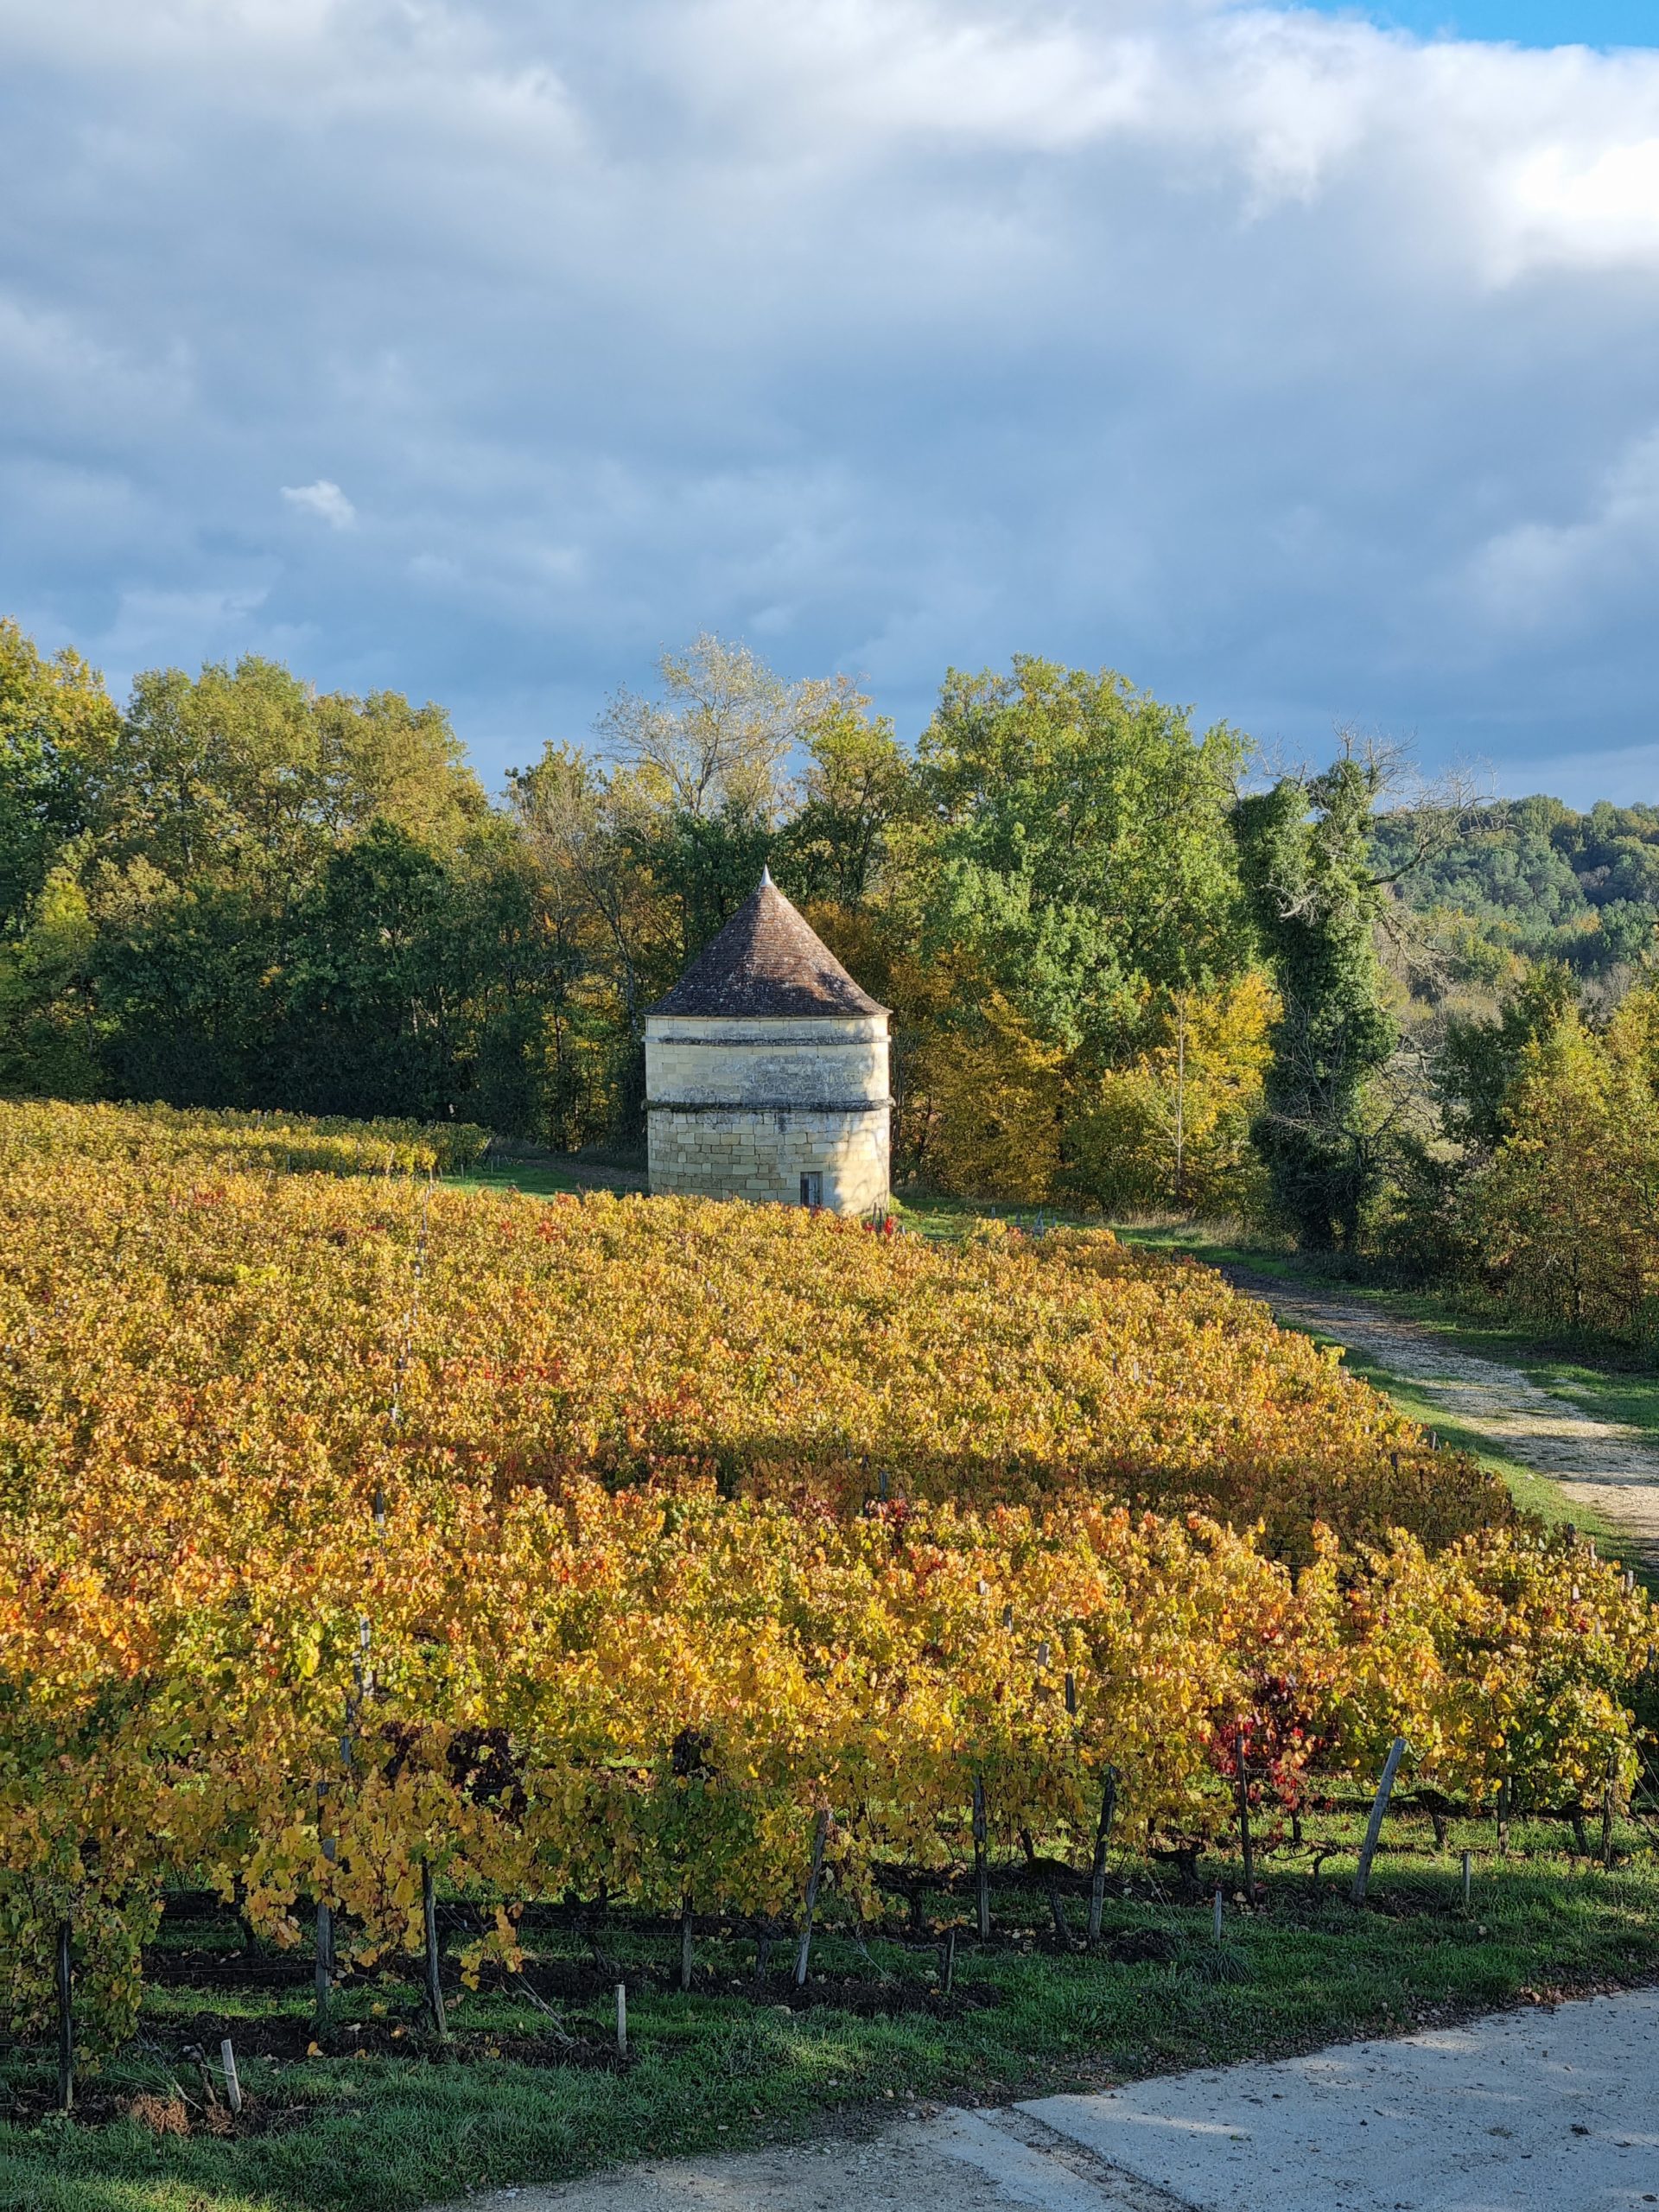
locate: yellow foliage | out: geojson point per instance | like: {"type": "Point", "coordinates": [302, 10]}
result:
{"type": "Point", "coordinates": [1172, 1127]}
{"type": "Point", "coordinates": [985, 1105]}
{"type": "Point", "coordinates": [350, 1525]}
{"type": "Point", "coordinates": [980, 1100]}
{"type": "Point", "coordinates": [1565, 1217]}
{"type": "Point", "coordinates": [173, 1136]}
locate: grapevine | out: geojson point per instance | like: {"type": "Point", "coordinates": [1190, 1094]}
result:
{"type": "Point", "coordinates": [696, 1523]}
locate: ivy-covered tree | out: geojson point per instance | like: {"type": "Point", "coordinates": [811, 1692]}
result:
{"type": "Point", "coordinates": [1305, 850]}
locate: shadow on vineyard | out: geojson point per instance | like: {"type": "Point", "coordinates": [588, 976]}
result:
{"type": "Point", "coordinates": [490, 1687]}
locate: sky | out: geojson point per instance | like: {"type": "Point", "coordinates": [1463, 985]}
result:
{"type": "Point", "coordinates": [1300, 363]}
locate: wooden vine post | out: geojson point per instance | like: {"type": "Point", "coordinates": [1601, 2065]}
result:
{"type": "Point", "coordinates": [325, 1961]}
{"type": "Point", "coordinates": [1102, 1835]}
{"type": "Point", "coordinates": [66, 2018]}
{"type": "Point", "coordinates": [1056, 1907]}
{"type": "Point", "coordinates": [1608, 1797]}
{"type": "Point", "coordinates": [982, 1863]}
{"type": "Point", "coordinates": [1374, 1825]}
{"type": "Point", "coordinates": [1242, 1789]}
{"type": "Point", "coordinates": [433, 1986]}
{"type": "Point", "coordinates": [815, 1875]}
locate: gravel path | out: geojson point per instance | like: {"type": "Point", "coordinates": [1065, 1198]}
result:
{"type": "Point", "coordinates": [1603, 1467]}
{"type": "Point", "coordinates": [1552, 2110]}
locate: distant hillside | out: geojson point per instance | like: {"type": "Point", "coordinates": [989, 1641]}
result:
{"type": "Point", "coordinates": [1544, 882]}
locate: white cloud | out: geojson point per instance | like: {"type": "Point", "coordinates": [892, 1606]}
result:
{"type": "Point", "coordinates": [1299, 368]}
{"type": "Point", "coordinates": [1593, 205]}
{"type": "Point", "coordinates": [323, 498]}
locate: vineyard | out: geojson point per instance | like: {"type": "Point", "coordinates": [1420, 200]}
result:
{"type": "Point", "coordinates": [363, 1539]}
{"type": "Point", "coordinates": [296, 1143]}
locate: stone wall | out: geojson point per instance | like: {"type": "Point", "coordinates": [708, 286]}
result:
{"type": "Point", "coordinates": [782, 1060]}
{"type": "Point", "coordinates": [742, 1109]}
{"type": "Point", "coordinates": [736, 1152]}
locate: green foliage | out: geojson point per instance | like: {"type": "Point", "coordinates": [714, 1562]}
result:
{"type": "Point", "coordinates": [108, 1934]}
{"type": "Point", "coordinates": [57, 726]}
{"type": "Point", "coordinates": [1082, 856]}
{"type": "Point", "coordinates": [187, 988]}
{"type": "Point", "coordinates": [240, 891]}
{"type": "Point", "coordinates": [246, 776]}
{"type": "Point", "coordinates": [859, 787]}
{"type": "Point", "coordinates": [1480, 1061]}
{"type": "Point", "coordinates": [1305, 854]}
{"type": "Point", "coordinates": [708, 864]}
{"type": "Point", "coordinates": [1548, 884]}
{"type": "Point", "coordinates": [373, 990]}
{"type": "Point", "coordinates": [265, 895]}
{"type": "Point", "coordinates": [48, 1031]}
{"type": "Point", "coordinates": [269, 895]}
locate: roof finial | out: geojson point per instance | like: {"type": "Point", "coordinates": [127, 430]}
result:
{"type": "Point", "coordinates": [765, 877]}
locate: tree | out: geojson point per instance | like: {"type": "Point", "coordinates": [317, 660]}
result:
{"type": "Point", "coordinates": [48, 1028]}
{"type": "Point", "coordinates": [1306, 852]}
{"type": "Point", "coordinates": [707, 864]}
{"type": "Point", "coordinates": [614, 934]}
{"type": "Point", "coordinates": [246, 776]}
{"type": "Point", "coordinates": [1068, 857]}
{"type": "Point", "coordinates": [858, 785]}
{"type": "Point", "coordinates": [375, 999]}
{"type": "Point", "coordinates": [1082, 851]}
{"type": "Point", "coordinates": [1565, 1217]}
{"type": "Point", "coordinates": [1480, 1062]}
{"type": "Point", "coordinates": [188, 983]}
{"type": "Point", "coordinates": [57, 726]}
{"type": "Point", "coordinates": [715, 741]}
{"type": "Point", "coordinates": [1171, 1127]}
{"type": "Point", "coordinates": [984, 1106]}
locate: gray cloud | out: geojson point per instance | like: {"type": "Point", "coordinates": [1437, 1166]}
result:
{"type": "Point", "coordinates": [1301, 369]}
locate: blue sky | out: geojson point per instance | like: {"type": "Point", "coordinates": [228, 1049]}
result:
{"type": "Point", "coordinates": [1528, 22]}
{"type": "Point", "coordinates": [1304, 369]}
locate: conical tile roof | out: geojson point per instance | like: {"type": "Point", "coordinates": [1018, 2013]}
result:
{"type": "Point", "coordinates": [766, 961]}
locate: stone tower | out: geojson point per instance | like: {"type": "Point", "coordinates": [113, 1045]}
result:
{"type": "Point", "coordinates": [766, 1071]}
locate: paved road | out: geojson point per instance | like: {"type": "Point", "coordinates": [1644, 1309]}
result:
{"type": "Point", "coordinates": [1536, 2111]}
{"type": "Point", "coordinates": [1602, 1466]}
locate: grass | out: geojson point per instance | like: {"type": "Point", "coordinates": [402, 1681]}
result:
{"type": "Point", "coordinates": [546, 1176]}
{"type": "Point", "coordinates": [724, 2071]}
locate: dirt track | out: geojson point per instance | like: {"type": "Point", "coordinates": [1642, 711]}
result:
{"type": "Point", "coordinates": [1602, 1466]}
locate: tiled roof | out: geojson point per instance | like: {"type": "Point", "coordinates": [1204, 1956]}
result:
{"type": "Point", "coordinates": [766, 961]}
